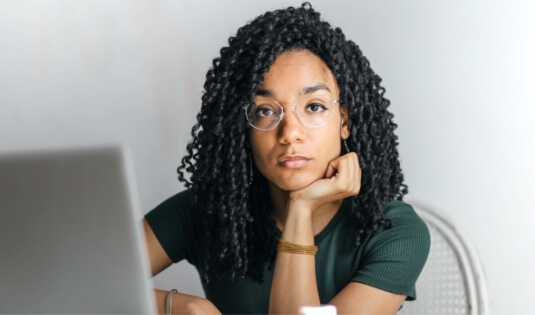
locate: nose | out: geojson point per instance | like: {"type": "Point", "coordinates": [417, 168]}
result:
{"type": "Point", "coordinates": [290, 128]}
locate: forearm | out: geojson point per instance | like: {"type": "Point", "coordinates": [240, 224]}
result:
{"type": "Point", "coordinates": [294, 279]}
{"type": "Point", "coordinates": [160, 300]}
{"type": "Point", "coordinates": [184, 304]}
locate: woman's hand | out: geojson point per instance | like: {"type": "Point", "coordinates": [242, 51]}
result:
{"type": "Point", "coordinates": [185, 304]}
{"type": "Point", "coordinates": [342, 179]}
{"type": "Point", "coordinates": [188, 304]}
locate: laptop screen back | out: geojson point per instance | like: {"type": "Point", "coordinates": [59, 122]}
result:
{"type": "Point", "coordinates": [70, 234]}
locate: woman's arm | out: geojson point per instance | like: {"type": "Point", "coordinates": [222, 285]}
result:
{"type": "Point", "coordinates": [185, 304]}
{"type": "Point", "coordinates": [359, 298]}
{"type": "Point", "coordinates": [182, 303]}
{"type": "Point", "coordinates": [158, 258]}
{"type": "Point", "coordinates": [294, 278]}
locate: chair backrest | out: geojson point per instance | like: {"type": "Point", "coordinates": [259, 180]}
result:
{"type": "Point", "coordinates": [452, 281]}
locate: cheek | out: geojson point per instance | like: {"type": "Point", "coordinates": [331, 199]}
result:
{"type": "Point", "coordinates": [259, 147]}
{"type": "Point", "coordinates": [332, 150]}
{"type": "Point", "coordinates": [328, 141]}
{"type": "Point", "coordinates": [257, 156]}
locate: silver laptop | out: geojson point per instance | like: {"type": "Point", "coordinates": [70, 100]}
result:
{"type": "Point", "coordinates": [71, 239]}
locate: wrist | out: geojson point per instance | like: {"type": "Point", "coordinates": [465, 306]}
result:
{"type": "Point", "coordinates": [169, 302]}
{"type": "Point", "coordinates": [285, 246]}
{"type": "Point", "coordinates": [298, 227]}
{"type": "Point", "coordinates": [298, 215]}
{"type": "Point", "coordinates": [300, 208]}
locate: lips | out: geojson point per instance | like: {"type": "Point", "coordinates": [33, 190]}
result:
{"type": "Point", "coordinates": [293, 161]}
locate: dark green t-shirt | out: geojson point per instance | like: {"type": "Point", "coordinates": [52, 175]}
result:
{"type": "Point", "coordinates": [389, 259]}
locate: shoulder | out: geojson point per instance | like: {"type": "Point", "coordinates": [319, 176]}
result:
{"type": "Point", "coordinates": [181, 200]}
{"type": "Point", "coordinates": [407, 233]}
{"type": "Point", "coordinates": [394, 256]}
{"type": "Point", "coordinates": [176, 206]}
{"type": "Point", "coordinates": [405, 219]}
{"type": "Point", "coordinates": [177, 224]}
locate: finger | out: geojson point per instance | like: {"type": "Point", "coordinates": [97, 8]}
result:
{"type": "Point", "coordinates": [348, 173]}
{"type": "Point", "coordinates": [342, 175]}
{"type": "Point", "coordinates": [333, 166]}
{"type": "Point", "coordinates": [357, 173]}
{"type": "Point", "coordinates": [330, 171]}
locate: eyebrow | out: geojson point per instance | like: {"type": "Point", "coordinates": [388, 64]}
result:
{"type": "Point", "coordinates": [314, 88]}
{"type": "Point", "coordinates": [264, 92]}
{"type": "Point", "coordinates": [304, 91]}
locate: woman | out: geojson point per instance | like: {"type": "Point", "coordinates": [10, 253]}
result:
{"type": "Point", "coordinates": [295, 187]}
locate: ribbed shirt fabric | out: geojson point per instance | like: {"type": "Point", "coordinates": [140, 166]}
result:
{"type": "Point", "coordinates": [389, 259]}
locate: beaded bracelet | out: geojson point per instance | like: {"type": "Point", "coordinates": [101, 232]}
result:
{"type": "Point", "coordinates": [285, 246]}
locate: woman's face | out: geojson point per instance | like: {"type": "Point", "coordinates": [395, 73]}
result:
{"type": "Point", "coordinates": [292, 156]}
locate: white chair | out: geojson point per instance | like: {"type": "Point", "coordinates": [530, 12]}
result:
{"type": "Point", "coordinates": [452, 281]}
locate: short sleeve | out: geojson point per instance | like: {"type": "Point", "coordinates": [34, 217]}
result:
{"type": "Point", "coordinates": [393, 258]}
{"type": "Point", "coordinates": [177, 227]}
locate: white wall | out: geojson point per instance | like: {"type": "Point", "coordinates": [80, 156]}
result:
{"type": "Point", "coordinates": [458, 74]}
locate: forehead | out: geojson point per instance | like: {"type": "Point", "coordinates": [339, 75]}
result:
{"type": "Point", "coordinates": [296, 73]}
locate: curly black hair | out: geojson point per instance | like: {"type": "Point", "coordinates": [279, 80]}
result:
{"type": "Point", "coordinates": [240, 233]}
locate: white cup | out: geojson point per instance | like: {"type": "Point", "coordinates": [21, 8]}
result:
{"type": "Point", "coordinates": [318, 310]}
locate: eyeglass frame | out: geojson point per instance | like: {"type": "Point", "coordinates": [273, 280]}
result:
{"type": "Point", "coordinates": [296, 113]}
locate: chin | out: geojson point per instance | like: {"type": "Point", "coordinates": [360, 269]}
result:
{"type": "Point", "coordinates": [294, 183]}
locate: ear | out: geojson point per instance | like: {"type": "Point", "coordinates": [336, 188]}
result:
{"type": "Point", "coordinates": [345, 126]}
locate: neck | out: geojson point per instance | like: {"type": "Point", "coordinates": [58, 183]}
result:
{"type": "Point", "coordinates": [320, 217]}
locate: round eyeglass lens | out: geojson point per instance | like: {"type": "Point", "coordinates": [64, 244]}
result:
{"type": "Point", "coordinates": [313, 111]}
{"type": "Point", "coordinates": [264, 114]}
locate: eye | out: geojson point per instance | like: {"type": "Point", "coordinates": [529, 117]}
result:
{"type": "Point", "coordinates": [263, 112]}
{"type": "Point", "coordinates": [316, 107]}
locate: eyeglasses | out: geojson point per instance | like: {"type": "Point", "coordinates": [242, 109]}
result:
{"type": "Point", "coordinates": [313, 111]}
